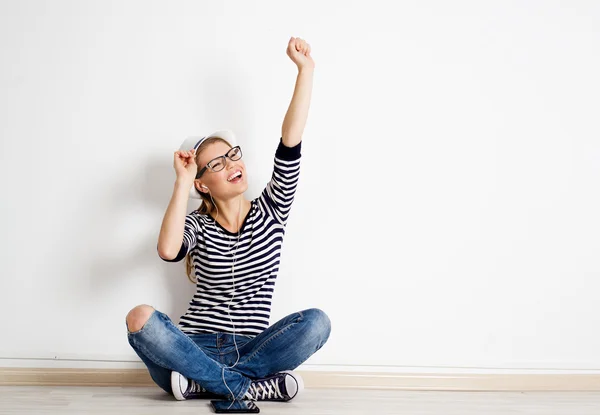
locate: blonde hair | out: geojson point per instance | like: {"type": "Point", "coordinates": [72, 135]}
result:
{"type": "Point", "coordinates": [207, 206]}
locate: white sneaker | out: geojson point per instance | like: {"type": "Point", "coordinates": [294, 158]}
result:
{"type": "Point", "coordinates": [184, 388]}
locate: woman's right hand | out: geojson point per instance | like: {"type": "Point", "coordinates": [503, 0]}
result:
{"type": "Point", "coordinates": [185, 165]}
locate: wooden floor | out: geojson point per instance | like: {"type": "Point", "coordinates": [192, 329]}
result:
{"type": "Point", "coordinates": [151, 400]}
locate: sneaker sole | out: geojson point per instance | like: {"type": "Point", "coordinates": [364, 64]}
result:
{"type": "Point", "coordinates": [176, 386]}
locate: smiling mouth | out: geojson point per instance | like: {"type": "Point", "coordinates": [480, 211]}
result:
{"type": "Point", "coordinates": [235, 177]}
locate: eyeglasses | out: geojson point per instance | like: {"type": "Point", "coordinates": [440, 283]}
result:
{"type": "Point", "coordinates": [218, 163]}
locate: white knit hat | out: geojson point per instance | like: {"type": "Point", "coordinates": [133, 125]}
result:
{"type": "Point", "coordinates": [192, 143]}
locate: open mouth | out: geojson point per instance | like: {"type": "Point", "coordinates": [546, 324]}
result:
{"type": "Point", "coordinates": [235, 177]}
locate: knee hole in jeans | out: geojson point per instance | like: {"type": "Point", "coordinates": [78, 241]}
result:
{"type": "Point", "coordinates": [138, 316]}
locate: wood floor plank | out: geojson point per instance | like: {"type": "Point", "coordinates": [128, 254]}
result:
{"type": "Point", "coordinates": [51, 400]}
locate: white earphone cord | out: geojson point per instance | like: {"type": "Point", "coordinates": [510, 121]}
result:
{"type": "Point", "coordinates": [233, 292]}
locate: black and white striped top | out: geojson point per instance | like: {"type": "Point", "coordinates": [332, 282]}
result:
{"type": "Point", "coordinates": [256, 259]}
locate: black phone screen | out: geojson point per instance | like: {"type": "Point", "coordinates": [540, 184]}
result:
{"type": "Point", "coordinates": [235, 407]}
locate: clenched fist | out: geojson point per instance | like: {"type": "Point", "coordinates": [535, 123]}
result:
{"type": "Point", "coordinates": [299, 52]}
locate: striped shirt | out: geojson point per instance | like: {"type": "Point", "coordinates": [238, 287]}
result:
{"type": "Point", "coordinates": [256, 259]}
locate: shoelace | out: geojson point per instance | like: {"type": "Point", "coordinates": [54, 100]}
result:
{"type": "Point", "coordinates": [267, 389]}
{"type": "Point", "coordinates": [195, 387]}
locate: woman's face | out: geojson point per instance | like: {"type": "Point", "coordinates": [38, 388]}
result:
{"type": "Point", "coordinates": [218, 181]}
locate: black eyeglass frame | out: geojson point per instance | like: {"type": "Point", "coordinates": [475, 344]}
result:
{"type": "Point", "coordinates": [224, 157]}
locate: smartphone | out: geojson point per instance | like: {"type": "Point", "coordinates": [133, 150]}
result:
{"type": "Point", "coordinates": [235, 407]}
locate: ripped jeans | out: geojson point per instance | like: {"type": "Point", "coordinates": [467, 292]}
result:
{"type": "Point", "coordinates": [205, 357]}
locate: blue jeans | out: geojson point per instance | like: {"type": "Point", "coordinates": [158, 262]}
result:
{"type": "Point", "coordinates": [203, 357]}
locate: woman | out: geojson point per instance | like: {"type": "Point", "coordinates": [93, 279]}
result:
{"type": "Point", "coordinates": [223, 345]}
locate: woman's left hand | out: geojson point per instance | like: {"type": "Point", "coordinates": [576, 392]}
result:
{"type": "Point", "coordinates": [299, 52]}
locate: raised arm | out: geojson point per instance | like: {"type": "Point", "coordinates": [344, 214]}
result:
{"type": "Point", "coordinates": [177, 235]}
{"type": "Point", "coordinates": [295, 118]}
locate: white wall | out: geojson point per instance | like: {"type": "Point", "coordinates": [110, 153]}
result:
{"type": "Point", "coordinates": [447, 214]}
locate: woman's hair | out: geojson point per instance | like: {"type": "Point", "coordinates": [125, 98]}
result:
{"type": "Point", "coordinates": [207, 206]}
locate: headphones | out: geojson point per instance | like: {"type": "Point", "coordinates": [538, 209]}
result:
{"type": "Point", "coordinates": [233, 292]}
